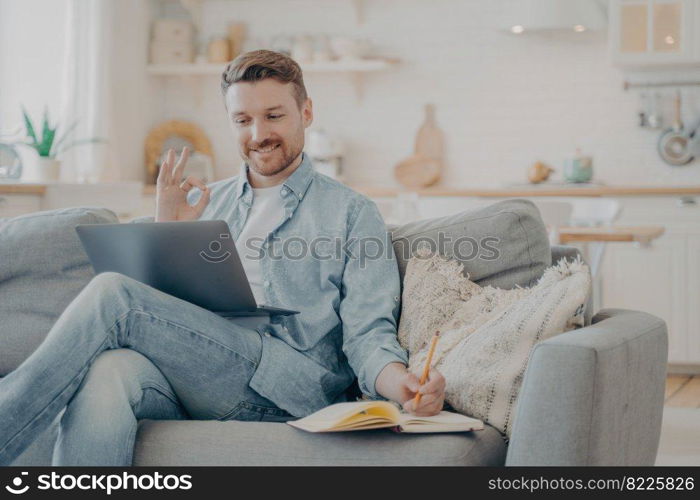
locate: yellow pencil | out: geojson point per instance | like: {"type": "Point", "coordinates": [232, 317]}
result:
{"type": "Point", "coordinates": [426, 368]}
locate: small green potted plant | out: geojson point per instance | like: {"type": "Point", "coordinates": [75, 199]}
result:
{"type": "Point", "coordinates": [47, 146]}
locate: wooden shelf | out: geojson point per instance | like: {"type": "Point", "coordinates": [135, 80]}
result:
{"type": "Point", "coordinates": [21, 188]}
{"type": "Point", "coordinates": [355, 68]}
{"type": "Point", "coordinates": [390, 192]}
{"type": "Point", "coordinates": [381, 192]}
{"type": "Point", "coordinates": [339, 66]}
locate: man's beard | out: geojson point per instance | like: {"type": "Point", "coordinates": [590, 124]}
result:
{"type": "Point", "coordinates": [279, 160]}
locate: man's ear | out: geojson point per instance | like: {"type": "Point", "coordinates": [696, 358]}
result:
{"type": "Point", "coordinates": [307, 112]}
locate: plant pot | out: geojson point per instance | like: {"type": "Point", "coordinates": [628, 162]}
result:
{"type": "Point", "coordinates": [42, 169]}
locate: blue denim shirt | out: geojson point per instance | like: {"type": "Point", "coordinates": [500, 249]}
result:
{"type": "Point", "coordinates": [321, 260]}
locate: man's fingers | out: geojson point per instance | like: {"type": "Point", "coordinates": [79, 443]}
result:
{"type": "Point", "coordinates": [427, 400]}
{"type": "Point", "coordinates": [180, 167]}
{"type": "Point", "coordinates": [191, 182]}
{"type": "Point", "coordinates": [435, 383]}
{"type": "Point", "coordinates": [196, 182]}
{"type": "Point", "coordinates": [165, 174]}
{"type": "Point", "coordinates": [428, 405]}
{"type": "Point", "coordinates": [203, 200]}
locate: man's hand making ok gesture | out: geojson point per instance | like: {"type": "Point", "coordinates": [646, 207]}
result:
{"type": "Point", "coordinates": [171, 191]}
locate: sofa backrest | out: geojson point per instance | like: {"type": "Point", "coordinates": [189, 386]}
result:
{"type": "Point", "coordinates": [503, 244]}
{"type": "Point", "coordinates": [42, 268]}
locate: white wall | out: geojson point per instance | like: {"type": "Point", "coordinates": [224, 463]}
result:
{"type": "Point", "coordinates": [32, 42]}
{"type": "Point", "coordinates": [137, 107]}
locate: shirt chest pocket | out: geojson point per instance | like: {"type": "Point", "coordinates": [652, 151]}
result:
{"type": "Point", "coordinates": [326, 253]}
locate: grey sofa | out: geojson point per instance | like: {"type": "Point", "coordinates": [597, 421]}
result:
{"type": "Point", "coordinates": [592, 396]}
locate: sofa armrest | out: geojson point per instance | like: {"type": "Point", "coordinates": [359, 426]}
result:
{"type": "Point", "coordinates": [594, 396]}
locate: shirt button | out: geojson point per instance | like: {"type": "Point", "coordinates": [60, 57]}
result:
{"type": "Point", "coordinates": [266, 283]}
{"type": "Point", "coordinates": [283, 191]}
{"type": "Point", "coordinates": [396, 298]}
{"type": "Point", "coordinates": [267, 334]}
{"type": "Point", "coordinates": [284, 329]}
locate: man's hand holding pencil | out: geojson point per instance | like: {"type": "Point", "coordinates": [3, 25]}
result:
{"type": "Point", "coordinates": [423, 397]}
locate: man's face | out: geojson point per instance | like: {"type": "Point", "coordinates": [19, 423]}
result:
{"type": "Point", "coordinates": [268, 124]}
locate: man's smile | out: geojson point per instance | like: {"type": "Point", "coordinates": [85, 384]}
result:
{"type": "Point", "coordinates": [265, 151]}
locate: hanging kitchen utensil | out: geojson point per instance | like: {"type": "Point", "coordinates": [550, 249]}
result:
{"type": "Point", "coordinates": [424, 167]}
{"type": "Point", "coordinates": [676, 145]}
{"type": "Point", "coordinates": [643, 112]}
{"type": "Point", "coordinates": [654, 118]}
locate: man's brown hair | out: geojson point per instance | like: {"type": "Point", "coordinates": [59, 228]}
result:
{"type": "Point", "coordinates": [262, 64]}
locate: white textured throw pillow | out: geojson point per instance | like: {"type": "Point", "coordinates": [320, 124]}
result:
{"type": "Point", "coordinates": [486, 333]}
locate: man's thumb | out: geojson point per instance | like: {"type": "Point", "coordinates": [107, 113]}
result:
{"type": "Point", "coordinates": [203, 201]}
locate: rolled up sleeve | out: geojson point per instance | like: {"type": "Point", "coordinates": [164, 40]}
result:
{"type": "Point", "coordinates": [370, 298]}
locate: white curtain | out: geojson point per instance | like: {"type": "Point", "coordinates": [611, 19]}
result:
{"type": "Point", "coordinates": [87, 98]}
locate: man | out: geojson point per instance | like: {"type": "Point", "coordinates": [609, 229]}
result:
{"type": "Point", "coordinates": [122, 351]}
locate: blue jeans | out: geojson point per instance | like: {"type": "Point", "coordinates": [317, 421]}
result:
{"type": "Point", "coordinates": [122, 351]}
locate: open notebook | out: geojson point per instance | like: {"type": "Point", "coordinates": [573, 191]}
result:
{"type": "Point", "coordinates": [364, 415]}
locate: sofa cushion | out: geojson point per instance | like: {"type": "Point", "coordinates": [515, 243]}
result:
{"type": "Point", "coordinates": [503, 244]}
{"type": "Point", "coordinates": [192, 443]}
{"type": "Point", "coordinates": [200, 442]}
{"type": "Point", "coordinates": [43, 267]}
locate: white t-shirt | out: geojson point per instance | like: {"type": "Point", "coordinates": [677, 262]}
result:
{"type": "Point", "coordinates": [265, 214]}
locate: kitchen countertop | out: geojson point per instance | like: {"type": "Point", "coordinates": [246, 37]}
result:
{"type": "Point", "coordinates": [22, 188]}
{"type": "Point", "coordinates": [503, 192]}
{"type": "Point", "coordinates": [535, 190]}
{"type": "Point", "coordinates": [641, 234]}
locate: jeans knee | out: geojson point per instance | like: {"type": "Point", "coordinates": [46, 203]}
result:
{"type": "Point", "coordinates": [120, 362]}
{"type": "Point", "coordinates": [108, 281]}
{"type": "Point", "coordinates": [115, 370]}
{"type": "Point", "coordinates": [110, 287]}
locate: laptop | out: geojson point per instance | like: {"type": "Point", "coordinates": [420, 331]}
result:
{"type": "Point", "coordinates": [195, 261]}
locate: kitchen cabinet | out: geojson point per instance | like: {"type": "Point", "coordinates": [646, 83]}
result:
{"type": "Point", "coordinates": [651, 279]}
{"type": "Point", "coordinates": [692, 291]}
{"type": "Point", "coordinates": [664, 277]}
{"type": "Point", "coordinates": [651, 33]}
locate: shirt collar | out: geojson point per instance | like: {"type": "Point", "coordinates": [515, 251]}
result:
{"type": "Point", "coordinates": [298, 182]}
{"type": "Point", "coordinates": [300, 179]}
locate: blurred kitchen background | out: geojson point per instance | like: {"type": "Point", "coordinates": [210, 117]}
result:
{"type": "Point", "coordinates": [502, 100]}
{"type": "Point", "coordinates": [589, 108]}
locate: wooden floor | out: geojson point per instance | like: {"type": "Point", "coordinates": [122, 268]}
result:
{"type": "Point", "coordinates": [683, 391]}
